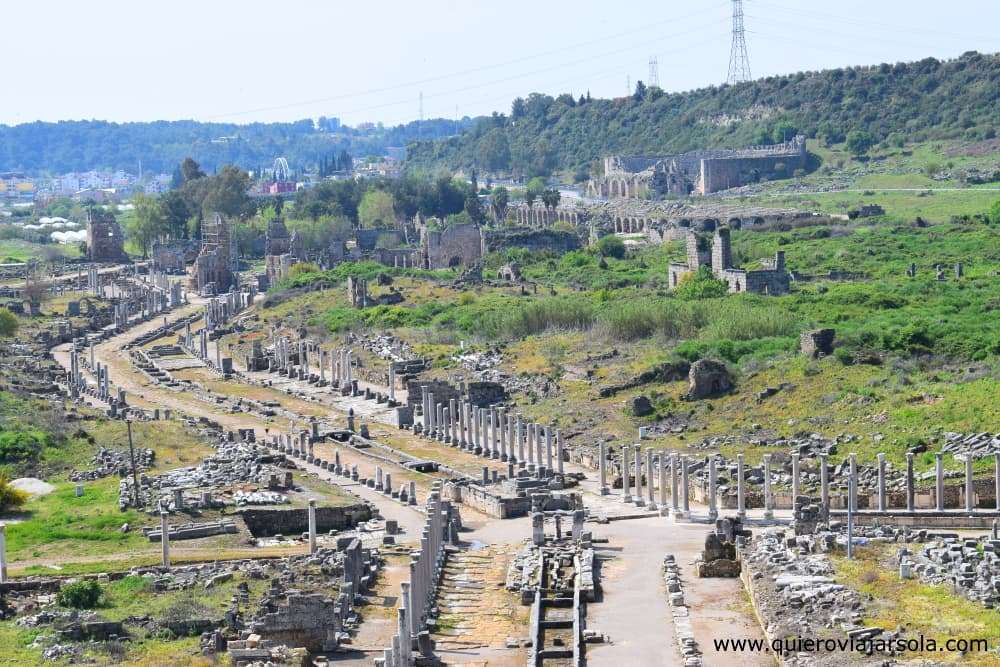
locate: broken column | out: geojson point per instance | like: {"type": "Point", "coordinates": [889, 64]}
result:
{"type": "Point", "coordinates": [910, 491]}
{"type": "Point", "coordinates": [881, 482]}
{"type": "Point", "coordinates": [824, 486]}
{"type": "Point", "coordinates": [939, 481]}
{"type": "Point", "coordinates": [164, 540]}
{"type": "Point", "coordinates": [970, 491]}
{"type": "Point", "coordinates": [639, 500]}
{"type": "Point", "coordinates": [795, 477]}
{"type": "Point", "coordinates": [713, 510]}
{"type": "Point", "coordinates": [852, 492]}
{"type": "Point", "coordinates": [626, 477]}
{"type": "Point", "coordinates": [312, 526]}
{"type": "Point", "coordinates": [741, 509]}
{"type": "Point", "coordinates": [768, 497]}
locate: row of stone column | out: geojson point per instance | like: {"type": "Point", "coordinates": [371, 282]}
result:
{"type": "Point", "coordinates": [673, 460]}
{"type": "Point", "coordinates": [417, 594]}
{"type": "Point", "coordinates": [493, 433]}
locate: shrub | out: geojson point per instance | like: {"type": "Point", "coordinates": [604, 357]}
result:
{"type": "Point", "coordinates": [844, 356]}
{"type": "Point", "coordinates": [611, 246]}
{"type": "Point", "coordinates": [9, 496]}
{"type": "Point", "coordinates": [701, 285]}
{"type": "Point", "coordinates": [20, 446]}
{"type": "Point", "coordinates": [8, 323]}
{"type": "Point", "coordinates": [80, 595]}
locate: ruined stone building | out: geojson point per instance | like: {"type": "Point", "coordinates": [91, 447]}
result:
{"type": "Point", "coordinates": [699, 172]}
{"type": "Point", "coordinates": [216, 266]}
{"type": "Point", "coordinates": [281, 250]}
{"type": "Point", "coordinates": [174, 255]}
{"type": "Point", "coordinates": [771, 278]}
{"type": "Point", "coordinates": [450, 246]}
{"type": "Point", "coordinates": [105, 239]}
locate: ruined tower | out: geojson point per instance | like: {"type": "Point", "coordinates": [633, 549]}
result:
{"type": "Point", "coordinates": [722, 252]}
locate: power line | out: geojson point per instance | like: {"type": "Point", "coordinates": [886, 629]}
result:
{"type": "Point", "coordinates": [410, 84]}
{"type": "Point", "coordinates": [739, 61]}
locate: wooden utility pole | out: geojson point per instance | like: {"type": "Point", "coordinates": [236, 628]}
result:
{"type": "Point", "coordinates": [135, 476]}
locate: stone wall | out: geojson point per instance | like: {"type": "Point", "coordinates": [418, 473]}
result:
{"type": "Point", "coordinates": [268, 522]}
{"type": "Point", "coordinates": [455, 245]}
{"type": "Point", "coordinates": [105, 239]}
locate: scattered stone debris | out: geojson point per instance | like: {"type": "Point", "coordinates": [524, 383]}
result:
{"type": "Point", "coordinates": [109, 462]}
{"type": "Point", "coordinates": [690, 651]}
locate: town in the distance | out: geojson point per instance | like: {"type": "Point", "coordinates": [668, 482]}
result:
{"type": "Point", "coordinates": [693, 376]}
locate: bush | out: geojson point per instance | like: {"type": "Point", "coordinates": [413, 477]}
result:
{"type": "Point", "coordinates": [701, 285]}
{"type": "Point", "coordinates": [20, 446]}
{"type": "Point", "coordinates": [844, 356]}
{"type": "Point", "coordinates": [80, 595]}
{"type": "Point", "coordinates": [611, 246]}
{"type": "Point", "coordinates": [9, 496]}
{"type": "Point", "coordinates": [8, 323]}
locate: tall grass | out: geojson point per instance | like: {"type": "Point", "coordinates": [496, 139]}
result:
{"type": "Point", "coordinates": [566, 313]}
{"type": "Point", "coordinates": [732, 319]}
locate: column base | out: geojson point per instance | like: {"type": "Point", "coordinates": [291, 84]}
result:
{"type": "Point", "coordinates": [679, 516]}
{"type": "Point", "coordinates": [627, 498]}
{"type": "Point", "coordinates": [768, 514]}
{"type": "Point", "coordinates": [604, 491]}
{"type": "Point", "coordinates": [639, 502]}
{"type": "Point", "coordinates": [665, 511]}
{"type": "Point", "coordinates": [742, 514]}
{"type": "Point", "coordinates": [713, 515]}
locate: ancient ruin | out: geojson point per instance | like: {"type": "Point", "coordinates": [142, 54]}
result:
{"type": "Point", "coordinates": [698, 172]}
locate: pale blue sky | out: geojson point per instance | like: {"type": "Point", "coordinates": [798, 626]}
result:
{"type": "Point", "coordinates": [248, 60]}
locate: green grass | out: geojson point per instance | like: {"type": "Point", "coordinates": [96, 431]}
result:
{"type": "Point", "coordinates": [62, 523]}
{"type": "Point", "coordinates": [933, 611]}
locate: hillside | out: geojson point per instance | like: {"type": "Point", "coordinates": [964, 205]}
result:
{"type": "Point", "coordinates": [161, 145]}
{"type": "Point", "coordinates": [911, 102]}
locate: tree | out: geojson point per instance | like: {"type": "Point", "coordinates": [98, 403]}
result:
{"type": "Point", "coordinates": [472, 204]}
{"type": "Point", "coordinates": [994, 214]}
{"type": "Point", "coordinates": [640, 91]}
{"type": "Point", "coordinates": [8, 323]}
{"type": "Point", "coordinates": [376, 210]}
{"type": "Point", "coordinates": [227, 193]}
{"type": "Point", "coordinates": [611, 246]}
{"type": "Point", "coordinates": [529, 197]}
{"type": "Point", "coordinates": [701, 284]}
{"type": "Point", "coordinates": [859, 142]}
{"type": "Point", "coordinates": [147, 223]}
{"type": "Point", "coordinates": [500, 200]}
{"type": "Point", "coordinates": [190, 170]}
{"type": "Point", "coordinates": [551, 197]}
{"type": "Point", "coordinates": [175, 213]}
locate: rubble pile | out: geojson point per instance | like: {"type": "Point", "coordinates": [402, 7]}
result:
{"type": "Point", "coordinates": [970, 566]}
{"type": "Point", "coordinates": [233, 463]}
{"type": "Point", "coordinates": [979, 444]}
{"type": "Point", "coordinates": [109, 462]}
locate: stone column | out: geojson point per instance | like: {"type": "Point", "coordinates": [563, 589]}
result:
{"type": "Point", "coordinates": [403, 632]}
{"type": "Point", "coordinates": [768, 497]}
{"type": "Point", "coordinates": [626, 476]}
{"type": "Point", "coordinates": [996, 479]}
{"type": "Point", "coordinates": [475, 428]}
{"type": "Point", "coordinates": [3, 553]}
{"type": "Point", "coordinates": [539, 444]}
{"type": "Point", "coordinates": [548, 447]}
{"type": "Point", "coordinates": [852, 492]}
{"type": "Point", "coordinates": [881, 482]}
{"type": "Point", "coordinates": [639, 500]}
{"type": "Point", "coordinates": [970, 490]}
{"type": "Point", "coordinates": [392, 381]}
{"type": "Point", "coordinates": [559, 452]}
{"type": "Point", "coordinates": [824, 486]}
{"type": "Point", "coordinates": [445, 425]}
{"type": "Point", "coordinates": [529, 434]}
{"type": "Point", "coordinates": [939, 481]}
{"type": "Point", "coordinates": [650, 490]}
{"type": "Point", "coordinates": [795, 478]}
{"type": "Point", "coordinates": [519, 434]}
{"type": "Point", "coordinates": [675, 461]}
{"type": "Point", "coordinates": [602, 466]}
{"type": "Point", "coordinates": [685, 489]}
{"type": "Point", "coordinates": [439, 421]}
{"type": "Point", "coordinates": [312, 526]}
{"type": "Point", "coordinates": [164, 540]}
{"type": "Point", "coordinates": [909, 482]}
{"type": "Point", "coordinates": [741, 506]}
{"type": "Point", "coordinates": [661, 458]}
{"type": "Point", "coordinates": [511, 440]}
{"type": "Point", "coordinates": [713, 508]}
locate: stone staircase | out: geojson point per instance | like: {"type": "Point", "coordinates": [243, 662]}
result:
{"type": "Point", "coordinates": [474, 608]}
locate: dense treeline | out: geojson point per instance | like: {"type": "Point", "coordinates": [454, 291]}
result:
{"type": "Point", "coordinates": [91, 144]}
{"type": "Point", "coordinates": [929, 99]}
